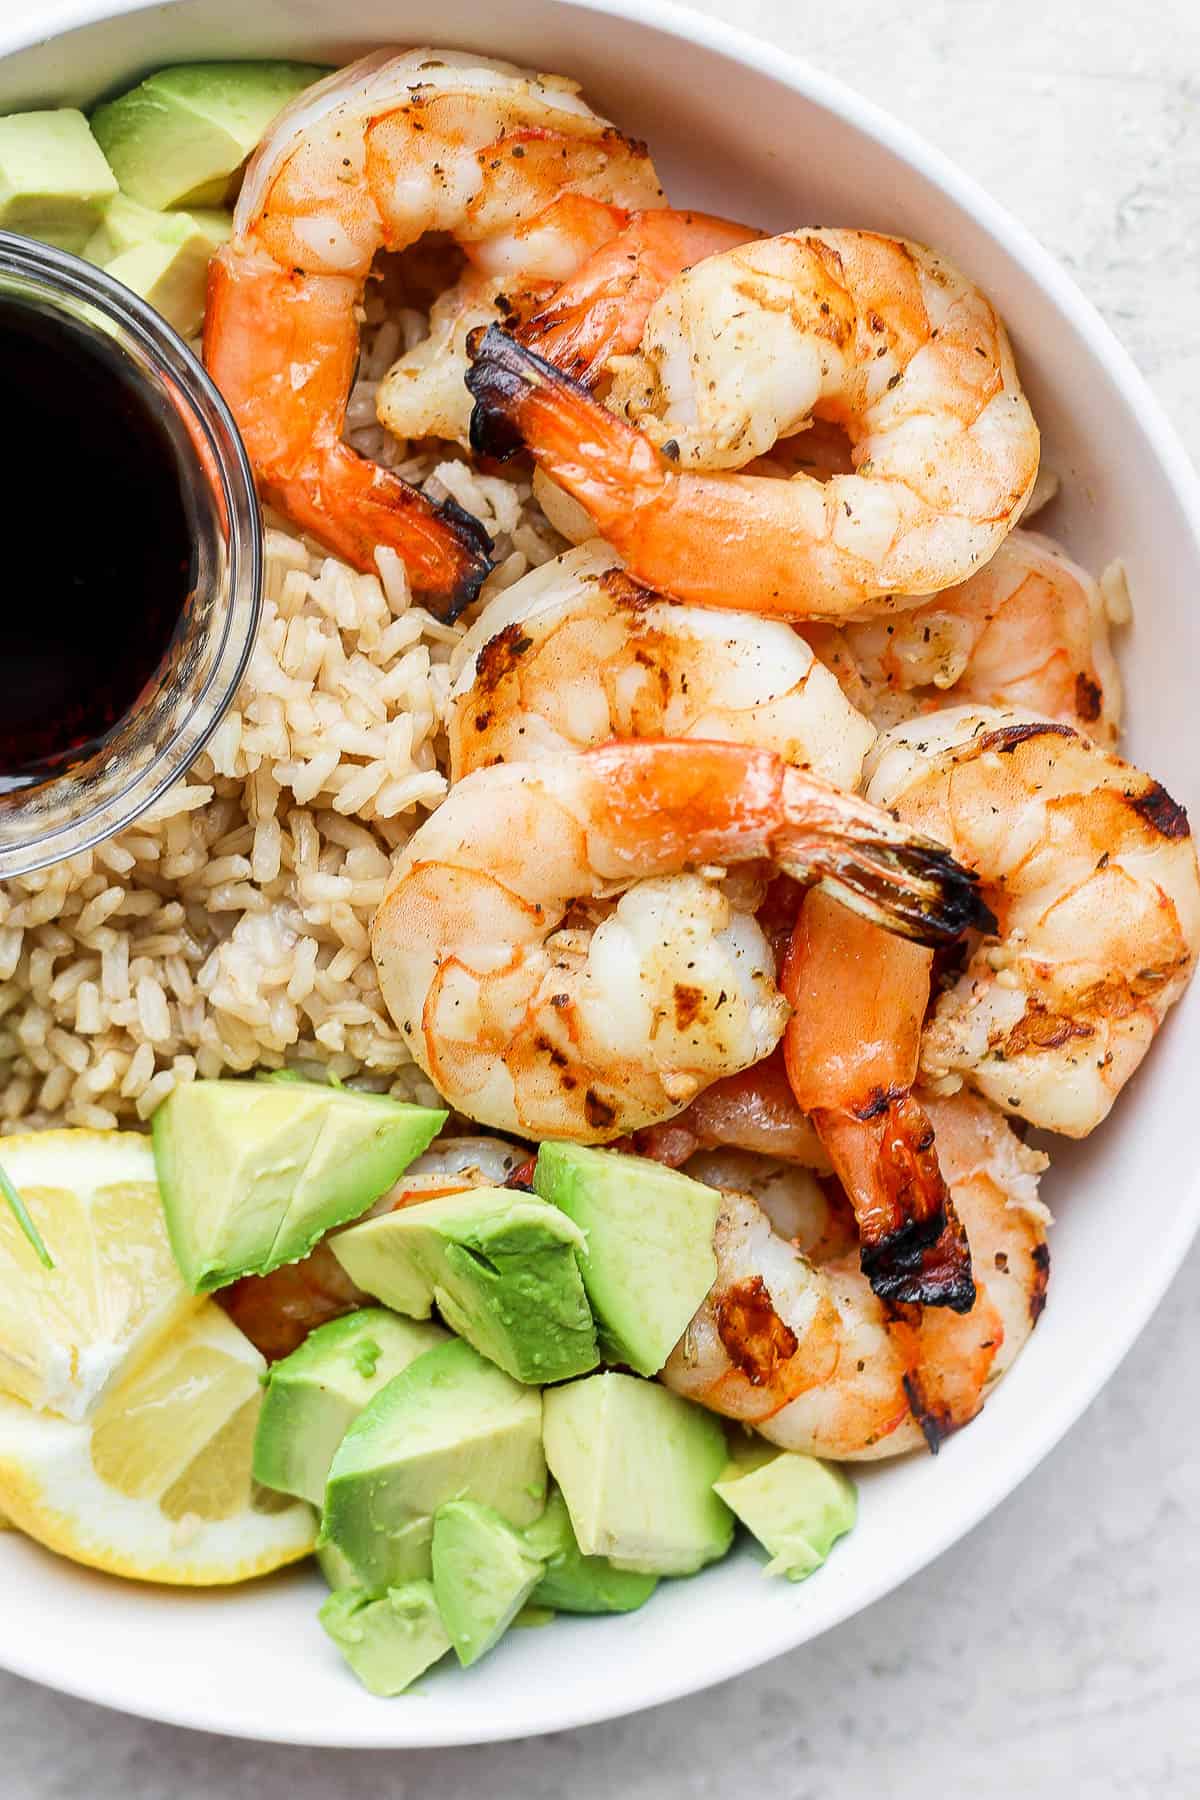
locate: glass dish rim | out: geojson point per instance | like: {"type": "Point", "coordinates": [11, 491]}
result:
{"type": "Point", "coordinates": [64, 276]}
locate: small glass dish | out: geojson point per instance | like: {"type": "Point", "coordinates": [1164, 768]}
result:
{"type": "Point", "coordinates": [152, 745]}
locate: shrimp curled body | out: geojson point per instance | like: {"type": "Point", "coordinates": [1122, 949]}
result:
{"type": "Point", "coordinates": [558, 947]}
{"type": "Point", "coordinates": [792, 1340]}
{"type": "Point", "coordinates": [1091, 870]}
{"type": "Point", "coordinates": [577, 653]}
{"type": "Point", "coordinates": [370, 159]}
{"type": "Point", "coordinates": [601, 312]}
{"type": "Point", "coordinates": [610, 267]}
{"type": "Point", "coordinates": [1029, 629]}
{"type": "Point", "coordinates": [872, 333]}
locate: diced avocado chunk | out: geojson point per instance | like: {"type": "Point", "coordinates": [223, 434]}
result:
{"type": "Point", "coordinates": [254, 1173]}
{"type": "Point", "coordinates": [636, 1465]}
{"type": "Point", "coordinates": [314, 1395]}
{"type": "Point", "coordinates": [164, 257]}
{"type": "Point", "coordinates": [531, 1618]}
{"type": "Point", "coordinates": [501, 1267]}
{"type": "Point", "coordinates": [171, 277]}
{"type": "Point", "coordinates": [179, 137]}
{"type": "Point", "coordinates": [390, 1641]}
{"type": "Point", "coordinates": [54, 181]}
{"type": "Point", "coordinates": [334, 1567]}
{"type": "Point", "coordinates": [649, 1259]}
{"type": "Point", "coordinates": [483, 1573]}
{"type": "Point", "coordinates": [124, 223]}
{"type": "Point", "coordinates": [796, 1506]}
{"type": "Point", "coordinates": [573, 1582]}
{"type": "Point", "coordinates": [452, 1426]}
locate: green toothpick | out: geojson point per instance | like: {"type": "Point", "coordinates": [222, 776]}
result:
{"type": "Point", "coordinates": [25, 1222]}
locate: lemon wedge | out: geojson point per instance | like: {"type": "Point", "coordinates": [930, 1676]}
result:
{"type": "Point", "coordinates": [156, 1484]}
{"type": "Point", "coordinates": [66, 1333]}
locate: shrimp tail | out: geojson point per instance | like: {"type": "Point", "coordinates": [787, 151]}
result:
{"type": "Point", "coordinates": [601, 311]}
{"type": "Point", "coordinates": [889, 874]}
{"type": "Point", "coordinates": [943, 1276]}
{"type": "Point", "coordinates": [915, 889]}
{"type": "Point", "coordinates": [522, 401]}
{"type": "Point", "coordinates": [290, 416]}
{"type": "Point", "coordinates": [706, 800]}
{"type": "Point", "coordinates": [474, 561]}
{"type": "Point", "coordinates": [521, 1179]}
{"type": "Point", "coordinates": [570, 333]}
{"type": "Point", "coordinates": [931, 1415]}
{"type": "Point", "coordinates": [355, 506]}
{"type": "Point", "coordinates": [913, 1246]}
{"type": "Point", "coordinates": [502, 377]}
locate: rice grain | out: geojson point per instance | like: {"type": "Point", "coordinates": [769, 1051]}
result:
{"type": "Point", "coordinates": [229, 928]}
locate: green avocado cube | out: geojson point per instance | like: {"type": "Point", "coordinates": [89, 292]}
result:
{"type": "Point", "coordinates": [334, 1567]}
{"type": "Point", "coordinates": [179, 137]}
{"type": "Point", "coordinates": [253, 1173]}
{"type": "Point", "coordinates": [636, 1465]}
{"type": "Point", "coordinates": [452, 1426]}
{"type": "Point", "coordinates": [172, 278]}
{"type": "Point", "coordinates": [127, 224]}
{"type": "Point", "coordinates": [54, 181]}
{"type": "Point", "coordinates": [483, 1573]}
{"type": "Point", "coordinates": [314, 1395]}
{"type": "Point", "coordinates": [796, 1506]}
{"type": "Point", "coordinates": [124, 223]}
{"type": "Point", "coordinates": [573, 1582]}
{"type": "Point", "coordinates": [390, 1641]}
{"type": "Point", "coordinates": [532, 1618]}
{"type": "Point", "coordinates": [500, 1266]}
{"type": "Point", "coordinates": [164, 257]}
{"type": "Point", "coordinates": [649, 1258]}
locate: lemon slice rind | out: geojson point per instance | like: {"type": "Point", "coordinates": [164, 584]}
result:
{"type": "Point", "coordinates": [58, 1477]}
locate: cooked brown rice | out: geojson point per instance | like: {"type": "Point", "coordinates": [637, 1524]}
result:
{"type": "Point", "coordinates": [228, 928]}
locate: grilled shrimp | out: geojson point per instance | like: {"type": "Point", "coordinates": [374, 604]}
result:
{"type": "Point", "coordinates": [813, 1215]}
{"type": "Point", "coordinates": [754, 1111]}
{"type": "Point", "coordinates": [369, 159]}
{"type": "Point", "coordinates": [837, 1095]}
{"type": "Point", "coordinates": [424, 393]}
{"type": "Point", "coordinates": [617, 265]}
{"type": "Point", "coordinates": [277, 1311]}
{"type": "Point", "coordinates": [558, 947]}
{"type": "Point", "coordinates": [859, 997]}
{"type": "Point", "coordinates": [601, 311]}
{"type": "Point", "coordinates": [1091, 870]}
{"type": "Point", "coordinates": [1028, 629]}
{"type": "Point", "coordinates": [869, 332]}
{"type": "Point", "coordinates": [800, 1347]}
{"type": "Point", "coordinates": [576, 653]}
{"type": "Point", "coordinates": [452, 1164]}
{"type": "Point", "coordinates": [994, 1177]}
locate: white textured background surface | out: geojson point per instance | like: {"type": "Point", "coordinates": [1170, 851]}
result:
{"type": "Point", "coordinates": [1053, 1654]}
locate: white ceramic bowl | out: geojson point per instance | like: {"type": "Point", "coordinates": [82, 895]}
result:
{"type": "Point", "coordinates": [738, 128]}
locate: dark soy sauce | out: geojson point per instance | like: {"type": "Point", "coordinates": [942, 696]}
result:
{"type": "Point", "coordinates": [98, 554]}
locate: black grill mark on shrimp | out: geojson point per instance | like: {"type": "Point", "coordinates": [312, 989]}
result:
{"type": "Point", "coordinates": [1009, 737]}
{"type": "Point", "coordinates": [1160, 812]}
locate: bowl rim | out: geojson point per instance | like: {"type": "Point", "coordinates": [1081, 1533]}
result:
{"type": "Point", "coordinates": [729, 1657]}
